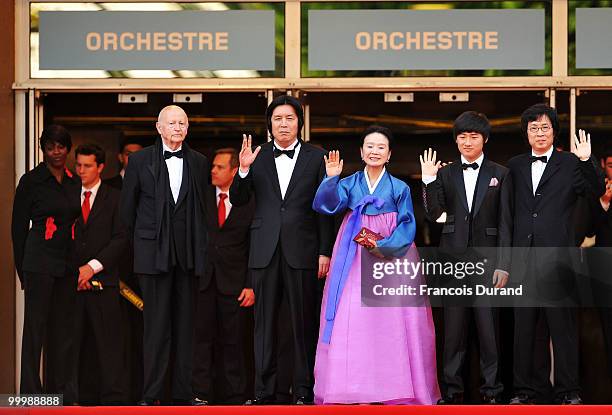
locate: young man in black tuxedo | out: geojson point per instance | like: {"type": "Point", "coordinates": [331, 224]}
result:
{"type": "Point", "coordinates": [469, 191]}
{"type": "Point", "coordinates": [290, 244]}
{"type": "Point", "coordinates": [545, 187]}
{"type": "Point", "coordinates": [225, 297]}
{"type": "Point", "coordinates": [162, 203]}
{"type": "Point", "coordinates": [100, 240]}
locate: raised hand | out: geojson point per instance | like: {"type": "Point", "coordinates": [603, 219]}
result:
{"type": "Point", "coordinates": [247, 155]}
{"type": "Point", "coordinates": [333, 164]}
{"type": "Point", "coordinates": [581, 145]}
{"type": "Point", "coordinates": [429, 165]}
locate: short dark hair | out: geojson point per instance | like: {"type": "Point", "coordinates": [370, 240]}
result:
{"type": "Point", "coordinates": [472, 122]}
{"type": "Point", "coordinates": [55, 133]}
{"type": "Point", "coordinates": [234, 162]}
{"type": "Point", "coordinates": [126, 141]}
{"type": "Point", "coordinates": [285, 100]}
{"type": "Point", "coordinates": [607, 153]}
{"type": "Point", "coordinates": [91, 150]}
{"type": "Point", "coordinates": [535, 112]}
{"type": "Point", "coordinates": [378, 129]}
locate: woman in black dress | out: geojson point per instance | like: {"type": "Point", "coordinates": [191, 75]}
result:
{"type": "Point", "coordinates": [48, 197]}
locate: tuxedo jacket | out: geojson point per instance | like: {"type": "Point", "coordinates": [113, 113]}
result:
{"type": "Point", "coordinates": [228, 246]}
{"type": "Point", "coordinates": [103, 237]}
{"type": "Point", "coordinates": [481, 226]}
{"type": "Point", "coordinates": [115, 182]}
{"type": "Point", "coordinates": [546, 218]}
{"type": "Point", "coordinates": [302, 233]}
{"type": "Point", "coordinates": [161, 228]}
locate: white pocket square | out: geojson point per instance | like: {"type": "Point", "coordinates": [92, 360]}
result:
{"type": "Point", "coordinates": [494, 182]}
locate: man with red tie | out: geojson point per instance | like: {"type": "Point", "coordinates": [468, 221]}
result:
{"type": "Point", "coordinates": [101, 241]}
{"type": "Point", "coordinates": [225, 296]}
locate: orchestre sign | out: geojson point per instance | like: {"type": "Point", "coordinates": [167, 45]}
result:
{"type": "Point", "coordinates": [593, 38]}
{"type": "Point", "coordinates": [185, 40]}
{"type": "Point", "coordinates": [426, 39]}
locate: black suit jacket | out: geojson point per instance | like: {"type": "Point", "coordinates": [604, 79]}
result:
{"type": "Point", "coordinates": [228, 246]}
{"type": "Point", "coordinates": [447, 194]}
{"type": "Point", "coordinates": [545, 219]}
{"type": "Point", "coordinates": [115, 182]}
{"type": "Point", "coordinates": [148, 214]}
{"type": "Point", "coordinates": [103, 237]}
{"type": "Point", "coordinates": [302, 233]}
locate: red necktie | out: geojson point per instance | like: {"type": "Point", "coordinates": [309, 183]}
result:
{"type": "Point", "coordinates": [221, 209]}
{"type": "Point", "coordinates": [85, 207]}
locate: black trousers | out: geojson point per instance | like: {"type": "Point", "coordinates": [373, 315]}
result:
{"type": "Point", "coordinates": [270, 284]}
{"type": "Point", "coordinates": [168, 326]}
{"type": "Point", "coordinates": [100, 311]}
{"type": "Point", "coordinates": [132, 326]}
{"type": "Point", "coordinates": [563, 329]}
{"type": "Point", "coordinates": [219, 352]}
{"type": "Point", "coordinates": [456, 324]}
{"type": "Point", "coordinates": [49, 323]}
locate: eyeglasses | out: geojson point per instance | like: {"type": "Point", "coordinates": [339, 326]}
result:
{"type": "Point", "coordinates": [534, 128]}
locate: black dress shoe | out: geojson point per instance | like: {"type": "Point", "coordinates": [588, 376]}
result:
{"type": "Point", "coordinates": [302, 400]}
{"type": "Point", "coordinates": [454, 399]}
{"type": "Point", "coordinates": [572, 399]}
{"type": "Point", "coordinates": [260, 401]}
{"type": "Point", "coordinates": [490, 399]}
{"type": "Point", "coordinates": [198, 402]}
{"type": "Point", "coordinates": [521, 399]}
{"type": "Point", "coordinates": [148, 402]}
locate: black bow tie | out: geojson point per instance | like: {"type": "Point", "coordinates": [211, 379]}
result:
{"type": "Point", "coordinates": [466, 166]}
{"type": "Point", "coordinates": [170, 154]}
{"type": "Point", "coordinates": [277, 152]}
{"type": "Point", "coordinates": [543, 159]}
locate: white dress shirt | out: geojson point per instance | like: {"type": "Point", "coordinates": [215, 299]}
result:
{"type": "Point", "coordinates": [371, 187]}
{"type": "Point", "coordinates": [470, 177]}
{"type": "Point", "coordinates": [284, 166]}
{"type": "Point", "coordinates": [537, 168]}
{"type": "Point", "coordinates": [94, 263]}
{"type": "Point", "coordinates": [228, 205]}
{"type": "Point", "coordinates": [175, 171]}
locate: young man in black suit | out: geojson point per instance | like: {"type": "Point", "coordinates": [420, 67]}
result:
{"type": "Point", "coordinates": [545, 186]}
{"type": "Point", "coordinates": [162, 203]}
{"type": "Point", "coordinates": [100, 240]}
{"type": "Point", "coordinates": [469, 191]}
{"type": "Point", "coordinates": [225, 296]}
{"type": "Point", "coordinates": [290, 244]}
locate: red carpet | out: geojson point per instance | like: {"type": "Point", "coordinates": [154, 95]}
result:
{"type": "Point", "coordinates": [325, 410]}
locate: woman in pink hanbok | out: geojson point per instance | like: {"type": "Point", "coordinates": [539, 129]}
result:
{"type": "Point", "coordinates": [371, 354]}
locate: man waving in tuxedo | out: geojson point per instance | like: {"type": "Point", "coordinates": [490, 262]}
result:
{"type": "Point", "coordinates": [545, 187]}
{"type": "Point", "coordinates": [290, 243]}
{"type": "Point", "coordinates": [469, 191]}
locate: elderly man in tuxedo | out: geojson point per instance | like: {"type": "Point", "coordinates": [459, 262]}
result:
{"type": "Point", "coordinates": [290, 244]}
{"type": "Point", "coordinates": [162, 203]}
